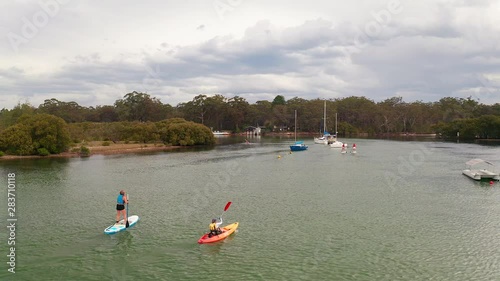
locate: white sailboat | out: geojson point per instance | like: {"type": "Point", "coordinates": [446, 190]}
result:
{"type": "Point", "coordinates": [334, 142]}
{"type": "Point", "coordinates": [326, 136]}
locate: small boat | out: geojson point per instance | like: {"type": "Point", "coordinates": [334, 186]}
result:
{"type": "Point", "coordinates": [298, 145]}
{"type": "Point", "coordinates": [326, 136]}
{"type": "Point", "coordinates": [219, 133]}
{"type": "Point", "coordinates": [333, 142]}
{"type": "Point", "coordinates": [226, 231]}
{"type": "Point", "coordinates": [480, 174]}
{"type": "Point", "coordinates": [323, 139]}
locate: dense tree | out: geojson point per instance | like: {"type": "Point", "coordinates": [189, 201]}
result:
{"type": "Point", "coordinates": [217, 107]}
{"type": "Point", "coordinates": [279, 100]}
{"type": "Point", "coordinates": [355, 115]}
{"type": "Point", "coordinates": [70, 112]}
{"type": "Point", "coordinates": [10, 117]}
{"type": "Point", "coordinates": [260, 114]}
{"type": "Point", "coordinates": [177, 131]}
{"type": "Point", "coordinates": [238, 108]}
{"type": "Point", "coordinates": [140, 107]}
{"type": "Point", "coordinates": [17, 140]}
{"type": "Point", "coordinates": [34, 133]}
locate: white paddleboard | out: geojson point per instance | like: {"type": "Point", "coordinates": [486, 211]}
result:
{"type": "Point", "coordinates": [120, 226]}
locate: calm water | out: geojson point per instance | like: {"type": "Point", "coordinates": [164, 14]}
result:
{"type": "Point", "coordinates": [394, 211]}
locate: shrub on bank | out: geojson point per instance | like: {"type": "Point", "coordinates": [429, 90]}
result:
{"type": "Point", "coordinates": [43, 152]}
{"type": "Point", "coordinates": [84, 151]}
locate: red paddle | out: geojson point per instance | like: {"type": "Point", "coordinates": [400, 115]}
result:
{"type": "Point", "coordinates": [227, 206]}
{"type": "Point", "coordinates": [225, 209]}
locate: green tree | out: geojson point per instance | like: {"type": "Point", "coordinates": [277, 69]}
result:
{"type": "Point", "coordinates": [49, 132]}
{"type": "Point", "coordinates": [177, 131]}
{"type": "Point", "coordinates": [35, 132]}
{"type": "Point", "coordinates": [10, 117]}
{"type": "Point", "coordinates": [70, 112]}
{"type": "Point", "coordinates": [279, 100]}
{"type": "Point", "coordinates": [17, 140]}
{"type": "Point", "coordinates": [238, 108]}
{"type": "Point", "coordinates": [140, 107]}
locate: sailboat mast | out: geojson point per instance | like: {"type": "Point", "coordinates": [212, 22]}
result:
{"type": "Point", "coordinates": [295, 125]}
{"type": "Point", "coordinates": [324, 120]}
{"type": "Point", "coordinates": [335, 124]}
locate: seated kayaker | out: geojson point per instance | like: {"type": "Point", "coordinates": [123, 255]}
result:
{"type": "Point", "coordinates": [214, 227]}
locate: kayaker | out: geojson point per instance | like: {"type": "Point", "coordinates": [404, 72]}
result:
{"type": "Point", "coordinates": [121, 200]}
{"type": "Point", "coordinates": [214, 227]}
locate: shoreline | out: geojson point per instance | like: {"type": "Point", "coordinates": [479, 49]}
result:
{"type": "Point", "coordinates": [112, 149]}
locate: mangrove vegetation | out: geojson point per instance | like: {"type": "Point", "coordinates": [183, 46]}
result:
{"type": "Point", "coordinates": [54, 126]}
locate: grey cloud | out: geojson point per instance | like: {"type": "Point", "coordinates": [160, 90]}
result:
{"type": "Point", "coordinates": [418, 59]}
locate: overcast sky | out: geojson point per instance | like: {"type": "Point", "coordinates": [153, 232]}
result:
{"type": "Point", "coordinates": [95, 52]}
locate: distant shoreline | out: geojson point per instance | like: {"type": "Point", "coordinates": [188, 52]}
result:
{"type": "Point", "coordinates": [97, 149]}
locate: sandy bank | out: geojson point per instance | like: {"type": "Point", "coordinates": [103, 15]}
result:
{"type": "Point", "coordinates": [96, 148]}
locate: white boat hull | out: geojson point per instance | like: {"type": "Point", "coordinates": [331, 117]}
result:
{"type": "Point", "coordinates": [481, 174]}
{"type": "Point", "coordinates": [320, 141]}
{"type": "Point", "coordinates": [336, 144]}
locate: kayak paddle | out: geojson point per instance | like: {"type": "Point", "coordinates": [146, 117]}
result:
{"type": "Point", "coordinates": [225, 208]}
{"type": "Point", "coordinates": [126, 219]}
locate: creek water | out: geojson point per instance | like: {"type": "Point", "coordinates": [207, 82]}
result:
{"type": "Point", "coordinates": [395, 210]}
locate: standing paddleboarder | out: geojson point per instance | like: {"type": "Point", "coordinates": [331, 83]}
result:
{"type": "Point", "coordinates": [120, 206]}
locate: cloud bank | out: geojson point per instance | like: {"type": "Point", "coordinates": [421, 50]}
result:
{"type": "Point", "coordinates": [95, 54]}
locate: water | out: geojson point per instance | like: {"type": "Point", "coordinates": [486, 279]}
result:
{"type": "Point", "coordinates": [394, 211]}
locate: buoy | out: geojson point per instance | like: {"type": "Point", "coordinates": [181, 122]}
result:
{"type": "Point", "coordinates": [491, 182]}
{"type": "Point", "coordinates": [279, 156]}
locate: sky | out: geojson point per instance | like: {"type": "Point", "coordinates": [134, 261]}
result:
{"type": "Point", "coordinates": [95, 52]}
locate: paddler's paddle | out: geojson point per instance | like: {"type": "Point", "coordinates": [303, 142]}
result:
{"type": "Point", "coordinates": [225, 209]}
{"type": "Point", "coordinates": [126, 219]}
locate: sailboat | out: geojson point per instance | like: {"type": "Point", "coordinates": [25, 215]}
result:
{"type": "Point", "coordinates": [299, 145]}
{"type": "Point", "coordinates": [326, 136]}
{"type": "Point", "coordinates": [334, 142]}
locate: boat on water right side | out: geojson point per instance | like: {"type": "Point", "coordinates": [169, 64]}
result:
{"type": "Point", "coordinates": [480, 174]}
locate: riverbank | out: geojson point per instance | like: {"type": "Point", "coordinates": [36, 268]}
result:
{"type": "Point", "coordinates": [97, 148]}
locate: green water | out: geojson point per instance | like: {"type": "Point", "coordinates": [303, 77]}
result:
{"type": "Point", "coordinates": [394, 211]}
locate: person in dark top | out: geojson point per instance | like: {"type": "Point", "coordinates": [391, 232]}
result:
{"type": "Point", "coordinates": [120, 206]}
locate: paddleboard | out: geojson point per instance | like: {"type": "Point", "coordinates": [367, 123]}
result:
{"type": "Point", "coordinates": [120, 226]}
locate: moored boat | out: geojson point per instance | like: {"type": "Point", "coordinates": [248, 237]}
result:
{"type": "Point", "coordinates": [480, 174]}
{"type": "Point", "coordinates": [298, 145]}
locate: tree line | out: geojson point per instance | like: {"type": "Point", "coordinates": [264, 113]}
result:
{"type": "Point", "coordinates": [44, 134]}
{"type": "Point", "coordinates": [356, 115]}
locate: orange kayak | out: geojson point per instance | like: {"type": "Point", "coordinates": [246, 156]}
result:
{"type": "Point", "coordinates": [226, 231]}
